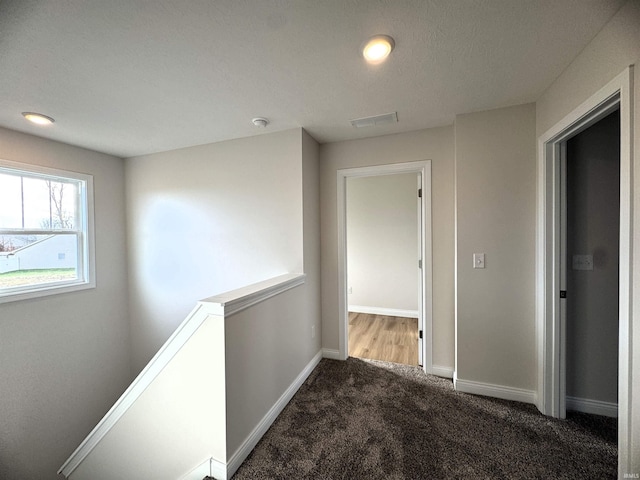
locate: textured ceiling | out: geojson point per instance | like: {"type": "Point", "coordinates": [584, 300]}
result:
{"type": "Point", "coordinates": [130, 77]}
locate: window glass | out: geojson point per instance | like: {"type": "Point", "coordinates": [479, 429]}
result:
{"type": "Point", "coordinates": [11, 207]}
{"type": "Point", "coordinates": [44, 231]}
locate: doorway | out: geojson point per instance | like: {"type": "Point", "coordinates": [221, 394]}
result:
{"type": "Point", "coordinates": [615, 95]}
{"type": "Point", "coordinates": [423, 169]}
{"type": "Point", "coordinates": [591, 238]}
{"type": "Point", "coordinates": [383, 270]}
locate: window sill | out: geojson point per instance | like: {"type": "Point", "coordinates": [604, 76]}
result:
{"type": "Point", "coordinates": [45, 291]}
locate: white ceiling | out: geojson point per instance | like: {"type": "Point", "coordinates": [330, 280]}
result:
{"type": "Point", "coordinates": [130, 77]}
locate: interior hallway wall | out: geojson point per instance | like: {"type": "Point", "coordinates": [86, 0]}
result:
{"type": "Point", "coordinates": [207, 219]}
{"type": "Point", "coordinates": [434, 144]}
{"type": "Point", "coordinates": [64, 359]}
{"type": "Point", "coordinates": [495, 215]}
{"type": "Point", "coordinates": [311, 243]}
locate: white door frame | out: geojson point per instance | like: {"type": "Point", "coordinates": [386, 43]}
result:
{"type": "Point", "coordinates": [549, 327]}
{"type": "Point", "coordinates": [424, 169]}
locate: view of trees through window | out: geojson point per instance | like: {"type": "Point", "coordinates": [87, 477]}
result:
{"type": "Point", "coordinates": [40, 229]}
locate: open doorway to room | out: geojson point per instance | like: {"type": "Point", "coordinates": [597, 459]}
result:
{"type": "Point", "coordinates": [553, 262]}
{"type": "Point", "coordinates": [383, 256]}
{"type": "Point", "coordinates": [422, 258]}
{"type": "Point", "coordinates": [591, 229]}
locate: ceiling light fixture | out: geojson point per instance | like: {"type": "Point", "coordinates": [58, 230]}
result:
{"type": "Point", "coordinates": [38, 118]}
{"type": "Point", "coordinates": [260, 122]}
{"type": "Point", "coordinates": [378, 48]}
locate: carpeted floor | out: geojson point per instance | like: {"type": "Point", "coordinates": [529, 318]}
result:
{"type": "Point", "coordinates": [364, 419]}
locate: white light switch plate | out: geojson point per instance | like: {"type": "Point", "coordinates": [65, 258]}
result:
{"type": "Point", "coordinates": [478, 260]}
{"type": "Point", "coordinates": [582, 262]}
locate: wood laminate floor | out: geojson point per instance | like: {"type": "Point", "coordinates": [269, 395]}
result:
{"type": "Point", "coordinates": [380, 337]}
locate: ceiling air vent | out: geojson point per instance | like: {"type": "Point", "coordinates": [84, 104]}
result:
{"type": "Point", "coordinates": [376, 120]}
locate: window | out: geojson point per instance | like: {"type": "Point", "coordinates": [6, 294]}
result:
{"type": "Point", "coordinates": [46, 235]}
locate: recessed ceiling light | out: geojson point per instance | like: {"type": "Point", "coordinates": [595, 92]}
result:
{"type": "Point", "coordinates": [378, 48]}
{"type": "Point", "coordinates": [38, 118]}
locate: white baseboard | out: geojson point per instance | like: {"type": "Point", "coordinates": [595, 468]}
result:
{"type": "Point", "coordinates": [331, 354]}
{"type": "Point", "coordinates": [210, 467]}
{"type": "Point", "coordinates": [391, 312]}
{"type": "Point", "coordinates": [594, 407]}
{"type": "Point", "coordinates": [440, 371]}
{"type": "Point", "coordinates": [496, 391]}
{"type": "Point", "coordinates": [250, 442]}
{"type": "Point", "coordinates": [218, 470]}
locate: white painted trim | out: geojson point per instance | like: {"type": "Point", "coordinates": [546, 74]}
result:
{"type": "Point", "coordinates": [343, 315]}
{"type": "Point", "coordinates": [157, 364]}
{"type": "Point", "coordinates": [210, 467]}
{"type": "Point", "coordinates": [218, 470]}
{"type": "Point", "coordinates": [440, 371]}
{"type": "Point", "coordinates": [214, 307]}
{"type": "Point", "coordinates": [331, 353]}
{"type": "Point", "coordinates": [391, 312]}
{"type": "Point", "coordinates": [424, 169]}
{"type": "Point", "coordinates": [240, 299]}
{"type": "Point", "coordinates": [594, 407]}
{"type": "Point", "coordinates": [495, 391]}
{"type": "Point", "coordinates": [254, 437]}
{"type": "Point", "coordinates": [548, 328]}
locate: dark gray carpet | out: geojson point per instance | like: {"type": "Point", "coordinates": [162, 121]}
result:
{"type": "Point", "coordinates": [375, 420]}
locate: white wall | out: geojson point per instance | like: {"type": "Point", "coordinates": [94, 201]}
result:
{"type": "Point", "coordinates": [64, 358]}
{"type": "Point", "coordinates": [8, 263]}
{"type": "Point", "coordinates": [433, 144]}
{"type": "Point", "coordinates": [311, 242]}
{"type": "Point", "coordinates": [382, 242]}
{"type": "Point", "coordinates": [615, 48]}
{"type": "Point", "coordinates": [208, 219]}
{"type": "Point", "coordinates": [267, 347]}
{"type": "Point", "coordinates": [495, 215]}
{"type": "Point", "coordinates": [176, 423]}
{"type": "Point", "coordinates": [593, 226]}
{"type": "Point", "coordinates": [262, 349]}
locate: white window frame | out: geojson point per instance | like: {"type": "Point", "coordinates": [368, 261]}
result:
{"type": "Point", "coordinates": [86, 261]}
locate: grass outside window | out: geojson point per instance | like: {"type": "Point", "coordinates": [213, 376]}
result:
{"type": "Point", "coordinates": [38, 276]}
